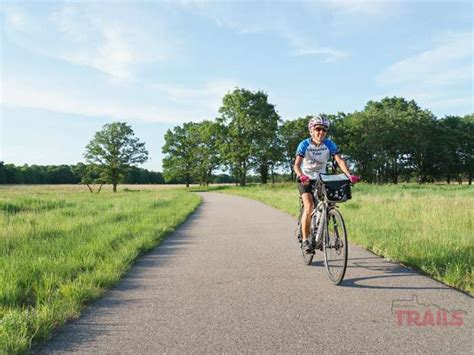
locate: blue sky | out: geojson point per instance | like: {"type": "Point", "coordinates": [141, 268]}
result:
{"type": "Point", "coordinates": [69, 67]}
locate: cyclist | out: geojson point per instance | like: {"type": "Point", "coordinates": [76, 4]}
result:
{"type": "Point", "coordinates": [312, 156]}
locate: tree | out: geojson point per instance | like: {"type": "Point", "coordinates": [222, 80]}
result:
{"type": "Point", "coordinates": [451, 151]}
{"type": "Point", "coordinates": [89, 175]}
{"type": "Point", "coordinates": [115, 149]}
{"type": "Point", "coordinates": [156, 178]}
{"type": "Point", "coordinates": [291, 134]}
{"type": "Point", "coordinates": [392, 137]}
{"type": "Point", "coordinates": [59, 174]}
{"type": "Point", "coordinates": [467, 146]}
{"type": "Point", "coordinates": [179, 162]}
{"type": "Point", "coordinates": [192, 152]}
{"type": "Point", "coordinates": [3, 173]}
{"type": "Point", "coordinates": [266, 148]}
{"type": "Point", "coordinates": [207, 136]}
{"type": "Point", "coordinates": [250, 140]}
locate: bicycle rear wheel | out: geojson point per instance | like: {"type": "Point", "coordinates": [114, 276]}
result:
{"type": "Point", "coordinates": [335, 247]}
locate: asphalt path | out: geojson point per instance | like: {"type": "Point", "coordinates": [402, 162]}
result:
{"type": "Point", "coordinates": [231, 279]}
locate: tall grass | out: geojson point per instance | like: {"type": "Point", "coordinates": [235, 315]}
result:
{"type": "Point", "coordinates": [60, 248]}
{"type": "Point", "coordinates": [428, 227]}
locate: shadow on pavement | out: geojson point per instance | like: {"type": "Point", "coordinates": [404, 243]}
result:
{"type": "Point", "coordinates": [388, 269]}
{"type": "Point", "coordinates": [376, 264]}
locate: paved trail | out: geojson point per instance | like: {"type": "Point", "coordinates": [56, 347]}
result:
{"type": "Point", "coordinates": [231, 279]}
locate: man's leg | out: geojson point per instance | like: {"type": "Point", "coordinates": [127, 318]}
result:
{"type": "Point", "coordinates": [308, 207]}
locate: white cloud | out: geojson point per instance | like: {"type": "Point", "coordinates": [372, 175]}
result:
{"type": "Point", "coordinates": [365, 7]}
{"type": "Point", "coordinates": [113, 39]}
{"type": "Point", "coordinates": [452, 103]}
{"type": "Point", "coordinates": [301, 47]}
{"type": "Point", "coordinates": [435, 76]}
{"type": "Point", "coordinates": [449, 62]}
{"type": "Point", "coordinates": [433, 100]}
{"type": "Point", "coordinates": [209, 96]}
{"type": "Point", "coordinates": [195, 104]}
{"type": "Point", "coordinates": [16, 20]}
{"type": "Point", "coordinates": [269, 18]}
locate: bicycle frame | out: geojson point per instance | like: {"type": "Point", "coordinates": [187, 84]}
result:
{"type": "Point", "coordinates": [327, 233]}
{"type": "Point", "coordinates": [323, 206]}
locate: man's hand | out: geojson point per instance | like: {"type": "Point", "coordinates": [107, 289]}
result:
{"type": "Point", "coordinates": [304, 179]}
{"type": "Point", "coordinates": [354, 179]}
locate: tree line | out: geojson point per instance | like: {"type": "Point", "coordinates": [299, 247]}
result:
{"type": "Point", "coordinates": [68, 174]}
{"type": "Point", "coordinates": [391, 140]}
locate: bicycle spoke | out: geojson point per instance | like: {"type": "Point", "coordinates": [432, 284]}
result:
{"type": "Point", "coordinates": [335, 248]}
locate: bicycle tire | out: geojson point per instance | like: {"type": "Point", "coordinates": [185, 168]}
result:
{"type": "Point", "coordinates": [335, 246]}
{"type": "Point", "coordinates": [307, 257]}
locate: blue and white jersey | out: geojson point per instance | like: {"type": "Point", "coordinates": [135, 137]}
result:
{"type": "Point", "coordinates": [315, 157]}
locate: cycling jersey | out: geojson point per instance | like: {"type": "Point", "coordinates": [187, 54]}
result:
{"type": "Point", "coordinates": [315, 157]}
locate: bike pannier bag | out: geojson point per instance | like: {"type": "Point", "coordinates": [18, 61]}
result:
{"type": "Point", "coordinates": [337, 189]}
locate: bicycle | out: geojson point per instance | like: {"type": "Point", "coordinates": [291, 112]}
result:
{"type": "Point", "coordinates": [327, 230]}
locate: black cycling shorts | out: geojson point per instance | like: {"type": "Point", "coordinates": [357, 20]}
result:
{"type": "Point", "coordinates": [306, 188]}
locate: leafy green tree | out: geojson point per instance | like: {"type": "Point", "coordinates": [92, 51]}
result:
{"type": "Point", "coordinates": [156, 178]}
{"type": "Point", "coordinates": [38, 175]}
{"type": "Point", "coordinates": [266, 149]}
{"type": "Point", "coordinates": [192, 152]}
{"type": "Point", "coordinates": [355, 139]}
{"type": "Point", "coordinates": [3, 173]}
{"type": "Point", "coordinates": [60, 174]}
{"type": "Point", "coordinates": [250, 140]}
{"type": "Point", "coordinates": [207, 135]}
{"type": "Point", "coordinates": [238, 130]}
{"type": "Point", "coordinates": [223, 179]}
{"type": "Point", "coordinates": [467, 146]}
{"type": "Point", "coordinates": [451, 151]}
{"type": "Point", "coordinates": [180, 160]}
{"type": "Point", "coordinates": [89, 175]}
{"type": "Point", "coordinates": [422, 154]}
{"type": "Point", "coordinates": [10, 174]}
{"type": "Point", "coordinates": [291, 134]}
{"type": "Point", "coordinates": [114, 149]}
{"type": "Point", "coordinates": [79, 170]}
{"type": "Point", "coordinates": [392, 137]}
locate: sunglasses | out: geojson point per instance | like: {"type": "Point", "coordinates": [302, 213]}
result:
{"type": "Point", "coordinates": [319, 129]}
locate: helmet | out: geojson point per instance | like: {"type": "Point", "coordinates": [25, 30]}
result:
{"type": "Point", "coordinates": [319, 120]}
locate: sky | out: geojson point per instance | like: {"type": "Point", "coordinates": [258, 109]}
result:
{"type": "Point", "coordinates": [69, 67]}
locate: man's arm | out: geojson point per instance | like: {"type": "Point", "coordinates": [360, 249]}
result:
{"type": "Point", "coordinates": [299, 173]}
{"type": "Point", "coordinates": [342, 164]}
{"type": "Point", "coordinates": [297, 166]}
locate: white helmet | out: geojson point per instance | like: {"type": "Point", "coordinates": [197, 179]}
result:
{"type": "Point", "coordinates": [319, 120]}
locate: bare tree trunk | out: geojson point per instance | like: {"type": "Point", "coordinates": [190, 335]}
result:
{"type": "Point", "coordinates": [115, 187]}
{"type": "Point", "coordinates": [100, 188]}
{"type": "Point", "coordinates": [90, 189]}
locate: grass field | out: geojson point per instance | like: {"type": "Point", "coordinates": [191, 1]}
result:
{"type": "Point", "coordinates": [427, 227]}
{"type": "Point", "coordinates": [60, 247]}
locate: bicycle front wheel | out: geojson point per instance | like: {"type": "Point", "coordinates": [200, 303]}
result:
{"type": "Point", "coordinates": [335, 246]}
